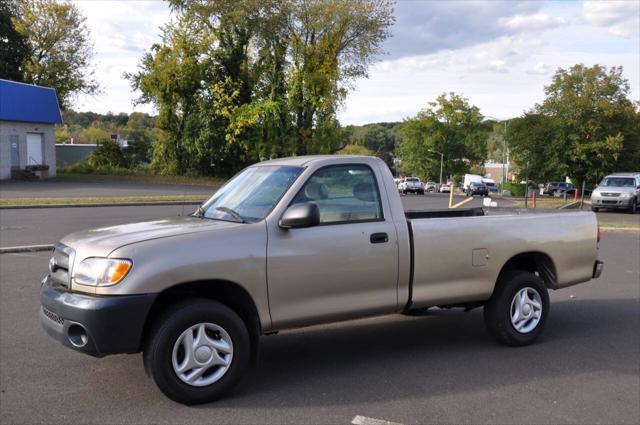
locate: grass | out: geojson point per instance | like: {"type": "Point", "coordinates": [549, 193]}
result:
{"type": "Point", "coordinates": [143, 178]}
{"type": "Point", "coordinates": [607, 225]}
{"type": "Point", "coordinates": [14, 202]}
{"type": "Point", "coordinates": [542, 203]}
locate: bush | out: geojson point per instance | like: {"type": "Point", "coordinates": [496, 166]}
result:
{"type": "Point", "coordinates": [515, 188]}
{"type": "Point", "coordinates": [107, 154]}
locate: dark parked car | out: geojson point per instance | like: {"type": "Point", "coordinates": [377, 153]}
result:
{"type": "Point", "coordinates": [477, 188]}
{"type": "Point", "coordinates": [552, 187]}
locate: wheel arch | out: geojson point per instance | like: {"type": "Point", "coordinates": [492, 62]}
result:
{"type": "Point", "coordinates": [229, 293]}
{"type": "Point", "coordinates": [536, 262]}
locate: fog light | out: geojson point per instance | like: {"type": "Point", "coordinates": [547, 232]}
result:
{"type": "Point", "coordinates": [77, 336]}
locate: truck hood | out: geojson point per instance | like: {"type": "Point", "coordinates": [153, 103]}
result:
{"type": "Point", "coordinates": [104, 240]}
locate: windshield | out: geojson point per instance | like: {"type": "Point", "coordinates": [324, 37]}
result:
{"type": "Point", "coordinates": [250, 195]}
{"type": "Point", "coordinates": [618, 182]}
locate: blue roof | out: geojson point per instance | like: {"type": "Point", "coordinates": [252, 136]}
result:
{"type": "Point", "coordinates": [28, 103]}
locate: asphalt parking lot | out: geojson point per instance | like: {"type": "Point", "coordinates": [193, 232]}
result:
{"type": "Point", "coordinates": [442, 367]}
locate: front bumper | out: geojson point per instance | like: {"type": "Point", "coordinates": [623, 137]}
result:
{"type": "Point", "coordinates": [95, 325]}
{"type": "Point", "coordinates": [611, 202]}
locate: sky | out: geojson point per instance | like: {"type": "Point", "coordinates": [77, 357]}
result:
{"type": "Point", "coordinates": [498, 54]}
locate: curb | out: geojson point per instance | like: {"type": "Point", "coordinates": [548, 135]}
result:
{"type": "Point", "coordinates": [27, 248]}
{"type": "Point", "coordinates": [120, 204]}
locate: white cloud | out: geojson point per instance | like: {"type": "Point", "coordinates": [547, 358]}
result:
{"type": "Point", "coordinates": [534, 22]}
{"type": "Point", "coordinates": [540, 68]}
{"type": "Point", "coordinates": [621, 17]}
{"type": "Point", "coordinates": [121, 32]}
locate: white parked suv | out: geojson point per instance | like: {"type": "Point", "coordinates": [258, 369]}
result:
{"type": "Point", "coordinates": [617, 191]}
{"type": "Point", "coordinates": [411, 185]}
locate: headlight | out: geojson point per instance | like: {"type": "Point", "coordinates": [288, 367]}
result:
{"type": "Point", "coordinates": [101, 271]}
{"type": "Point", "coordinates": [625, 195]}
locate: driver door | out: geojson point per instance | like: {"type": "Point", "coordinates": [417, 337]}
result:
{"type": "Point", "coordinates": [347, 266]}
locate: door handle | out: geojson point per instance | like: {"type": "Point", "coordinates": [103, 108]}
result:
{"type": "Point", "coordinates": [379, 238]}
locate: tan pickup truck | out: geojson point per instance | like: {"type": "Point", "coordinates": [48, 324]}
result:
{"type": "Point", "coordinates": [296, 242]}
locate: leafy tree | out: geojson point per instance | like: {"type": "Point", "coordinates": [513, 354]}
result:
{"type": "Point", "coordinates": [588, 123]}
{"type": "Point", "coordinates": [107, 154]}
{"type": "Point", "coordinates": [13, 45]}
{"type": "Point", "coordinates": [237, 81]}
{"type": "Point", "coordinates": [59, 48]}
{"type": "Point", "coordinates": [332, 43]}
{"type": "Point", "coordinates": [535, 145]}
{"type": "Point", "coordinates": [449, 125]}
{"type": "Point", "coordinates": [171, 78]}
{"type": "Point", "coordinates": [95, 135]}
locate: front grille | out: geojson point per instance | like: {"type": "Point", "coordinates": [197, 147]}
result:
{"type": "Point", "coordinates": [52, 316]}
{"type": "Point", "coordinates": [611, 195]}
{"type": "Point", "coordinates": [59, 265]}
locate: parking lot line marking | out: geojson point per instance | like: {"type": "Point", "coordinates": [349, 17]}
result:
{"type": "Point", "coordinates": [363, 420]}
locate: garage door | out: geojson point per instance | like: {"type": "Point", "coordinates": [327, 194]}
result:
{"type": "Point", "coordinates": [34, 149]}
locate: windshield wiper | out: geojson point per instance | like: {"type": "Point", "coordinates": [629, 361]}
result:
{"type": "Point", "coordinates": [232, 213]}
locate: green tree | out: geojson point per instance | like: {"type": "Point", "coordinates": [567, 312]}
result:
{"type": "Point", "coordinates": [589, 121]}
{"type": "Point", "coordinates": [13, 45]}
{"type": "Point", "coordinates": [237, 81]}
{"type": "Point", "coordinates": [59, 48]}
{"type": "Point", "coordinates": [95, 135]}
{"type": "Point", "coordinates": [449, 125]}
{"type": "Point", "coordinates": [171, 77]}
{"type": "Point", "coordinates": [107, 154]}
{"type": "Point", "coordinates": [332, 43]}
{"type": "Point", "coordinates": [536, 147]}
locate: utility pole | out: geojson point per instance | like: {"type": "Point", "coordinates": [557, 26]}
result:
{"type": "Point", "coordinates": [441, 161]}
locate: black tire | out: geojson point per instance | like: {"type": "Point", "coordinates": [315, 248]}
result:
{"type": "Point", "coordinates": [158, 350]}
{"type": "Point", "coordinates": [595, 209]}
{"type": "Point", "coordinates": [497, 311]}
{"type": "Point", "coordinates": [634, 207]}
{"type": "Point", "coordinates": [421, 192]}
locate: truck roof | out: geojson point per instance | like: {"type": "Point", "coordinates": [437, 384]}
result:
{"type": "Point", "coordinates": [302, 161]}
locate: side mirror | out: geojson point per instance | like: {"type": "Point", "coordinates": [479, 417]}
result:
{"type": "Point", "coordinates": [300, 215]}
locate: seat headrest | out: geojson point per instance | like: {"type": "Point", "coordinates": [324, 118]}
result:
{"type": "Point", "coordinates": [364, 192]}
{"type": "Point", "coordinates": [315, 191]}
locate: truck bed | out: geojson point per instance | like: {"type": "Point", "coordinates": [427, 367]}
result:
{"type": "Point", "coordinates": [458, 254]}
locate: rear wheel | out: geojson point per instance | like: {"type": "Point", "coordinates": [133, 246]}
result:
{"type": "Point", "coordinates": [198, 351]}
{"type": "Point", "coordinates": [516, 312]}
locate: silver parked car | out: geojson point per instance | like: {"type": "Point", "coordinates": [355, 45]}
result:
{"type": "Point", "coordinates": [618, 191]}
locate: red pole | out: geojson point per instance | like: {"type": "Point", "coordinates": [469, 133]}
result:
{"type": "Point", "coordinates": [534, 199]}
{"type": "Point", "coordinates": [577, 194]}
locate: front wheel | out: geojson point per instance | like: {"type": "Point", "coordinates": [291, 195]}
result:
{"type": "Point", "coordinates": [634, 207]}
{"type": "Point", "coordinates": [595, 209]}
{"type": "Point", "coordinates": [197, 351]}
{"type": "Point", "coordinates": [516, 312]}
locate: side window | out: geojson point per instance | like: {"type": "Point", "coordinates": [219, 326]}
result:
{"type": "Point", "coordinates": [343, 193]}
